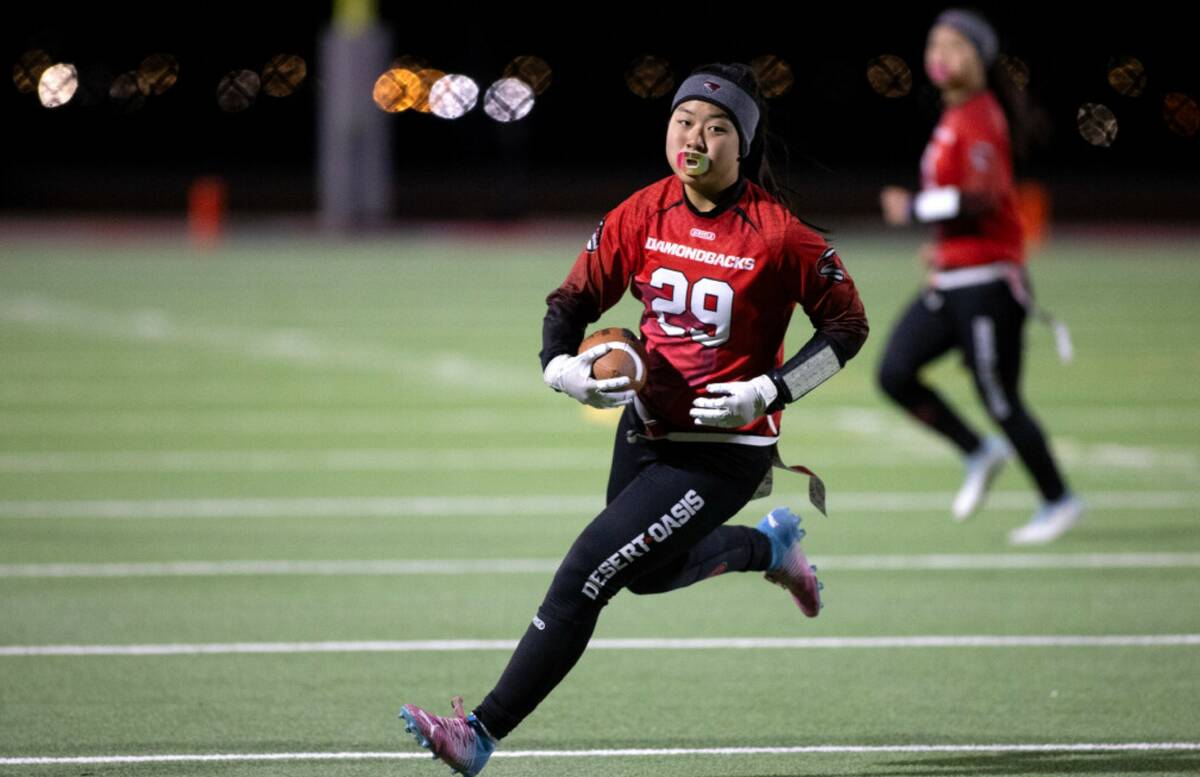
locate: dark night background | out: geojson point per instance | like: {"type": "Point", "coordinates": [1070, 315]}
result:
{"type": "Point", "coordinates": [589, 139]}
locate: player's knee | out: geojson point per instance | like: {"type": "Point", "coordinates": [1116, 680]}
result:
{"type": "Point", "coordinates": [894, 379]}
{"type": "Point", "coordinates": [641, 587]}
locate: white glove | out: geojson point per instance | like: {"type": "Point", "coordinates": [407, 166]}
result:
{"type": "Point", "coordinates": [572, 375]}
{"type": "Point", "coordinates": [743, 402]}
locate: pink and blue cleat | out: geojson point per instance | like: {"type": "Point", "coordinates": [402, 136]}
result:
{"type": "Point", "coordinates": [461, 741]}
{"type": "Point", "coordinates": [789, 566]}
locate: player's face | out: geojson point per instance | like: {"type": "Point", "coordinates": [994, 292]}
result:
{"type": "Point", "coordinates": [703, 127]}
{"type": "Point", "coordinates": [951, 60]}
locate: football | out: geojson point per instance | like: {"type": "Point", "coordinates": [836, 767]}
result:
{"type": "Point", "coordinates": [627, 358]}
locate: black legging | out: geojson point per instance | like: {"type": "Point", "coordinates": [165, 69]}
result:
{"type": "Point", "coordinates": [662, 529]}
{"type": "Point", "coordinates": [986, 323]}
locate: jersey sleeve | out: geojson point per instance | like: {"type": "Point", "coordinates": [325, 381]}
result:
{"type": "Point", "coordinates": [825, 291]}
{"type": "Point", "coordinates": [596, 282]}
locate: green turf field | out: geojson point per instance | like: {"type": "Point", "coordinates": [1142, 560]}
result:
{"type": "Point", "coordinates": [275, 404]}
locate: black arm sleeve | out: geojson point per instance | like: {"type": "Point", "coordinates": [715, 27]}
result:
{"type": "Point", "coordinates": [563, 327]}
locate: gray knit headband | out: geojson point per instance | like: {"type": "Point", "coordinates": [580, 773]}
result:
{"type": "Point", "coordinates": [976, 29]}
{"type": "Point", "coordinates": [724, 94]}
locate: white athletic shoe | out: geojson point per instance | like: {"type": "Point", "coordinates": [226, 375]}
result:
{"type": "Point", "coordinates": [1049, 522]}
{"type": "Point", "coordinates": [982, 467]}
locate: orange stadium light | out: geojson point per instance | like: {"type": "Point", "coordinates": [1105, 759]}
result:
{"type": "Point", "coordinates": [649, 77]}
{"type": "Point", "coordinates": [27, 71]}
{"type": "Point", "coordinates": [283, 74]}
{"type": "Point", "coordinates": [428, 77]}
{"type": "Point", "coordinates": [157, 73]}
{"type": "Point", "coordinates": [775, 75]}
{"type": "Point", "coordinates": [397, 90]}
{"type": "Point", "coordinates": [890, 76]}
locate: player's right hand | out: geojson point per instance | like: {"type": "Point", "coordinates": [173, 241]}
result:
{"type": "Point", "coordinates": [572, 375]}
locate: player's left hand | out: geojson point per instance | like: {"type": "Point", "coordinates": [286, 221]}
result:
{"type": "Point", "coordinates": [896, 203]}
{"type": "Point", "coordinates": [743, 401]}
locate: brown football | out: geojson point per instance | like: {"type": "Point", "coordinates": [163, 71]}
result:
{"type": "Point", "coordinates": [628, 360]}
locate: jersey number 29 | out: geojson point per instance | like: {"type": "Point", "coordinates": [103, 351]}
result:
{"type": "Point", "coordinates": [711, 302]}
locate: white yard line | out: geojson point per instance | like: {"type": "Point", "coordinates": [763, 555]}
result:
{"type": "Point", "coordinates": [1106, 457]}
{"type": "Point", "coordinates": [510, 566]}
{"type": "Point", "coordinates": [642, 752]}
{"type": "Point", "coordinates": [337, 460]}
{"type": "Point", "coordinates": [705, 643]}
{"type": "Point", "coordinates": [294, 346]}
{"type": "Point", "coordinates": [506, 505]}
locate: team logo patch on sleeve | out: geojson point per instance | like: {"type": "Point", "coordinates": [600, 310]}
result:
{"type": "Point", "coordinates": [594, 242]}
{"type": "Point", "coordinates": [829, 266]}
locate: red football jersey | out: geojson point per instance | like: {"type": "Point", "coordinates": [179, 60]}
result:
{"type": "Point", "coordinates": [970, 150]}
{"type": "Point", "coordinates": [719, 289]}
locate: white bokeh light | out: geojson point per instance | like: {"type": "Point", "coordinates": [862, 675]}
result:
{"type": "Point", "coordinates": [453, 96]}
{"type": "Point", "coordinates": [507, 100]}
{"type": "Point", "coordinates": [57, 85]}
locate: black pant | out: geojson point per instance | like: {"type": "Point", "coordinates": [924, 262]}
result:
{"type": "Point", "coordinates": [985, 323]}
{"type": "Point", "coordinates": [662, 529]}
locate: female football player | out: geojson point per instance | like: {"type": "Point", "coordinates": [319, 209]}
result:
{"type": "Point", "coordinates": [719, 262]}
{"type": "Point", "coordinates": [977, 293]}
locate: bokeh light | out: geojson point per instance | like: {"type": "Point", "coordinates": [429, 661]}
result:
{"type": "Point", "coordinates": [775, 77]}
{"type": "Point", "coordinates": [453, 96]}
{"type": "Point", "coordinates": [28, 70]}
{"type": "Point", "coordinates": [1181, 114]}
{"type": "Point", "coordinates": [1127, 76]}
{"type": "Point", "coordinates": [125, 94]}
{"type": "Point", "coordinates": [649, 77]}
{"type": "Point", "coordinates": [1097, 124]}
{"type": "Point", "coordinates": [532, 70]}
{"type": "Point", "coordinates": [508, 100]}
{"type": "Point", "coordinates": [157, 73]}
{"type": "Point", "coordinates": [1016, 70]}
{"type": "Point", "coordinates": [283, 74]}
{"type": "Point", "coordinates": [889, 76]}
{"type": "Point", "coordinates": [427, 77]}
{"type": "Point", "coordinates": [397, 90]}
{"type": "Point", "coordinates": [238, 90]}
{"type": "Point", "coordinates": [57, 85]}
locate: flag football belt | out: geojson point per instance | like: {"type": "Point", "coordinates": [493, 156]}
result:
{"type": "Point", "coordinates": [1010, 273]}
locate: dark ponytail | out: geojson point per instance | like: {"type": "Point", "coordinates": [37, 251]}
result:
{"type": "Point", "coordinates": [1028, 124]}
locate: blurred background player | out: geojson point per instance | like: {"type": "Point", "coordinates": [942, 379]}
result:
{"type": "Point", "coordinates": [719, 261]}
{"type": "Point", "coordinates": [978, 291]}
